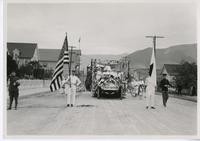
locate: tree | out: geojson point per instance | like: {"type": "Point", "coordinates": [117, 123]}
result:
{"type": "Point", "coordinates": [38, 73]}
{"type": "Point", "coordinates": [187, 75]}
{"type": "Point", "coordinates": [48, 74]}
{"type": "Point", "coordinates": [26, 71]}
{"type": "Point", "coordinates": [11, 65]}
{"type": "Point", "coordinates": [35, 70]}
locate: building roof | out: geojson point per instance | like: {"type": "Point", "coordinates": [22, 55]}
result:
{"type": "Point", "coordinates": [172, 69]}
{"type": "Point", "coordinates": [26, 49]}
{"type": "Point", "coordinates": [158, 71]}
{"type": "Point", "coordinates": [52, 55]}
{"type": "Point", "coordinates": [48, 54]}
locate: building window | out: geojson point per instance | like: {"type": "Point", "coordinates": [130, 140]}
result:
{"type": "Point", "coordinates": [16, 53]}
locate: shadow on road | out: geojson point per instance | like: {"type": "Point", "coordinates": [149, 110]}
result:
{"type": "Point", "coordinates": [41, 106]}
{"type": "Point", "coordinates": [56, 107]}
{"type": "Point", "coordinates": [86, 105]}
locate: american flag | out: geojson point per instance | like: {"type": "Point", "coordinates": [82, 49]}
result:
{"type": "Point", "coordinates": [63, 59]}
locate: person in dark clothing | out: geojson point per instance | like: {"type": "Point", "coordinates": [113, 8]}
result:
{"type": "Point", "coordinates": [13, 90]}
{"type": "Point", "coordinates": [164, 86]}
{"type": "Point", "coordinates": [193, 90]}
{"type": "Point", "coordinates": [179, 87]}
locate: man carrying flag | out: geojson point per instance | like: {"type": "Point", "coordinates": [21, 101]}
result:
{"type": "Point", "coordinates": [72, 82]}
{"type": "Point", "coordinates": [151, 83]}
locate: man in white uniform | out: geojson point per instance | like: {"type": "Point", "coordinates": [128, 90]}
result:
{"type": "Point", "coordinates": [150, 93]}
{"type": "Point", "coordinates": [74, 81]}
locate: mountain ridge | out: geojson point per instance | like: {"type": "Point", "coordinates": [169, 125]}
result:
{"type": "Point", "coordinates": [171, 55]}
{"type": "Point", "coordinates": [141, 58]}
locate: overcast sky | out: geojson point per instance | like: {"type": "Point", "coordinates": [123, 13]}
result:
{"type": "Point", "coordinates": [104, 28]}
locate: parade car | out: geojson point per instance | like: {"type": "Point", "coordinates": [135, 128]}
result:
{"type": "Point", "coordinates": [109, 86]}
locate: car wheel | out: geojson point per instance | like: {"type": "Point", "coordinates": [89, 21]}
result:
{"type": "Point", "coordinates": [120, 93]}
{"type": "Point", "coordinates": [94, 94]}
{"type": "Point", "coordinates": [98, 93]}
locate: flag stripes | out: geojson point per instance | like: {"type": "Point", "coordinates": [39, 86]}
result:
{"type": "Point", "coordinates": [57, 75]}
{"type": "Point", "coordinates": [66, 57]}
{"type": "Point", "coordinates": [58, 72]}
{"type": "Point", "coordinates": [56, 83]}
{"type": "Point", "coordinates": [59, 66]}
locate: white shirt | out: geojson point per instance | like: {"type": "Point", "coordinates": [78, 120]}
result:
{"type": "Point", "coordinates": [98, 75]}
{"type": "Point", "coordinates": [149, 83]}
{"type": "Point", "coordinates": [74, 80]}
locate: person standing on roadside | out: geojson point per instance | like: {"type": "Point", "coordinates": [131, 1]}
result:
{"type": "Point", "coordinates": [164, 84]}
{"type": "Point", "coordinates": [179, 88]}
{"type": "Point", "coordinates": [72, 82]}
{"type": "Point", "coordinates": [150, 93]}
{"type": "Point", "coordinates": [13, 90]}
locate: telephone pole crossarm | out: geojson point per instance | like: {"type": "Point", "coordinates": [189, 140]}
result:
{"type": "Point", "coordinates": [154, 40]}
{"type": "Point", "coordinates": [154, 36]}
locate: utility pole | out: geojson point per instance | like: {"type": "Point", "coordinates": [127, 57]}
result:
{"type": "Point", "coordinates": [79, 41]}
{"type": "Point", "coordinates": [70, 62]}
{"type": "Point", "coordinates": [154, 46]}
{"type": "Point", "coordinates": [125, 64]}
{"type": "Point", "coordinates": [154, 41]}
{"type": "Point", "coordinates": [128, 69]}
{"type": "Point", "coordinates": [91, 74]}
{"type": "Point", "coordinates": [79, 54]}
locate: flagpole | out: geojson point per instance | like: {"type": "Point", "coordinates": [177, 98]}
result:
{"type": "Point", "coordinates": [70, 62]}
{"type": "Point", "coordinates": [79, 43]}
{"type": "Point", "coordinates": [70, 84]}
{"type": "Point", "coordinates": [80, 55]}
{"type": "Point", "coordinates": [65, 66]}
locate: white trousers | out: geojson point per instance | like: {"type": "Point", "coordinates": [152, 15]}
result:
{"type": "Point", "coordinates": [71, 94]}
{"type": "Point", "coordinates": [150, 96]}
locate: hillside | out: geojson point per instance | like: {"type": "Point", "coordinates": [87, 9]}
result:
{"type": "Point", "coordinates": [141, 58]}
{"type": "Point", "coordinates": [171, 55]}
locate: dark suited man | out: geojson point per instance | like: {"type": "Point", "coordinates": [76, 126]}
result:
{"type": "Point", "coordinates": [13, 90]}
{"type": "Point", "coordinates": [164, 84]}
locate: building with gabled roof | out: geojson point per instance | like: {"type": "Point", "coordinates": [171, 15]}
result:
{"type": "Point", "coordinates": [49, 58]}
{"type": "Point", "coordinates": [172, 71]}
{"type": "Point", "coordinates": [23, 53]}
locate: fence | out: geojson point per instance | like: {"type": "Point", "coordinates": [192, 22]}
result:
{"type": "Point", "coordinates": [37, 83]}
{"type": "Point", "coordinates": [29, 84]}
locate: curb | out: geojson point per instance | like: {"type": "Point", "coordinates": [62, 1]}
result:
{"type": "Point", "coordinates": [184, 98]}
{"type": "Point", "coordinates": [33, 94]}
{"type": "Point", "coordinates": [179, 97]}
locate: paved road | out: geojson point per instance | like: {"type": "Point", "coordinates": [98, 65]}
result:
{"type": "Point", "coordinates": [46, 114]}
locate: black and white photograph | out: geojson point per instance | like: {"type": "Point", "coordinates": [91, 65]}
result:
{"type": "Point", "coordinates": [101, 69]}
